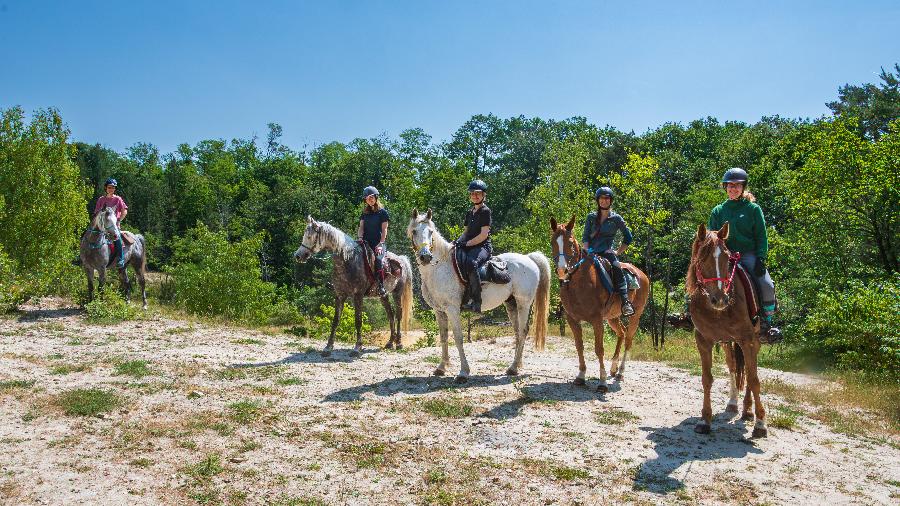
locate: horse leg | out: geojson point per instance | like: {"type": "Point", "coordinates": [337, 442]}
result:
{"type": "Point", "coordinates": [441, 318]}
{"type": "Point", "coordinates": [575, 325]}
{"type": "Point", "coordinates": [705, 348]}
{"type": "Point", "coordinates": [390, 316]}
{"type": "Point", "coordinates": [750, 354]}
{"type": "Point", "coordinates": [338, 308]}
{"type": "Point", "coordinates": [513, 314]}
{"type": "Point", "coordinates": [398, 313]}
{"type": "Point", "coordinates": [630, 331]}
{"type": "Point", "coordinates": [598, 350]}
{"type": "Point", "coordinates": [89, 273]}
{"type": "Point", "coordinates": [101, 278]}
{"type": "Point", "coordinates": [732, 406]}
{"type": "Point", "coordinates": [615, 369]}
{"type": "Point", "coordinates": [357, 313]}
{"type": "Point", "coordinates": [454, 315]}
{"type": "Point", "coordinates": [141, 274]}
{"type": "Point", "coordinates": [126, 284]}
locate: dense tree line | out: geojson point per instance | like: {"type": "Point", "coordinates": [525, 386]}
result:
{"type": "Point", "coordinates": [829, 189]}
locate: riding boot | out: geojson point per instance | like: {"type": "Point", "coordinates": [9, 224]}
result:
{"type": "Point", "coordinates": [474, 292]}
{"type": "Point", "coordinates": [768, 332]}
{"type": "Point", "coordinates": [121, 249]}
{"type": "Point", "coordinates": [618, 279]}
{"type": "Point", "coordinates": [627, 308]}
{"type": "Point", "coordinates": [381, 290]}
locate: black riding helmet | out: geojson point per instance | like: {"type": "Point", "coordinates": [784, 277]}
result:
{"type": "Point", "coordinates": [369, 190]}
{"type": "Point", "coordinates": [111, 182]}
{"type": "Point", "coordinates": [477, 186]}
{"type": "Point", "coordinates": [604, 191]}
{"type": "Point", "coordinates": [735, 175]}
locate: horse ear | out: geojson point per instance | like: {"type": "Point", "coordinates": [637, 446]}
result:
{"type": "Point", "coordinates": [723, 232]}
{"type": "Point", "coordinates": [415, 213]}
{"type": "Point", "coordinates": [571, 224]}
{"type": "Point", "coordinates": [701, 231]}
{"type": "Point", "coordinates": [428, 214]}
{"type": "Point", "coordinates": [309, 218]}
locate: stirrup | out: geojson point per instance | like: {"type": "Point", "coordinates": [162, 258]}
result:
{"type": "Point", "coordinates": [627, 309]}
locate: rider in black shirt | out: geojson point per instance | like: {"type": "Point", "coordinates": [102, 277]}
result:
{"type": "Point", "coordinates": [373, 226]}
{"type": "Point", "coordinates": [476, 243]}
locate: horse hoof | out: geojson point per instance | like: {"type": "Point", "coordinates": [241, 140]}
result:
{"type": "Point", "coordinates": [620, 377]}
{"type": "Point", "coordinates": [399, 346]}
{"type": "Point", "coordinates": [747, 417]}
{"type": "Point", "coordinates": [602, 388]}
{"type": "Point", "coordinates": [760, 432]}
{"type": "Point", "coordinates": [326, 353]}
{"type": "Point", "coordinates": [512, 372]}
{"type": "Point", "coordinates": [355, 353]}
{"type": "Point", "coordinates": [701, 428]}
{"type": "Point", "coordinates": [389, 346]}
{"type": "Point", "coordinates": [461, 379]}
{"type": "Point", "coordinates": [438, 372]}
{"type": "Point", "coordinates": [579, 382]}
{"type": "Point", "coordinates": [731, 408]}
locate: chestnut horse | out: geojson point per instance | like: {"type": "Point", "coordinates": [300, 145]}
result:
{"type": "Point", "coordinates": [718, 307]}
{"type": "Point", "coordinates": [585, 298]}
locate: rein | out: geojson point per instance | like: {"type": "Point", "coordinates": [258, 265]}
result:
{"type": "Point", "coordinates": [570, 269]}
{"type": "Point", "coordinates": [733, 259]}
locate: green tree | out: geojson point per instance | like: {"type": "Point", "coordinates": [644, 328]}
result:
{"type": "Point", "coordinates": [876, 105]}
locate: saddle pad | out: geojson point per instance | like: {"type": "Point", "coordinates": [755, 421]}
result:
{"type": "Point", "coordinates": [603, 267]}
{"type": "Point", "coordinates": [127, 237]}
{"type": "Point", "coordinates": [749, 291]}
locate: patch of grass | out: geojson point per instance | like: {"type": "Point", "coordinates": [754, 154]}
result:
{"type": "Point", "coordinates": [142, 462]}
{"type": "Point", "coordinates": [289, 381]}
{"type": "Point", "coordinates": [785, 417]}
{"type": "Point", "coordinates": [87, 402]}
{"type": "Point", "coordinates": [179, 330]}
{"type": "Point", "coordinates": [614, 417]}
{"type": "Point", "coordinates": [61, 369]}
{"type": "Point", "coordinates": [431, 359]}
{"type": "Point", "coordinates": [248, 340]}
{"type": "Point", "coordinates": [447, 408]}
{"type": "Point", "coordinates": [133, 368]}
{"type": "Point", "coordinates": [109, 307]}
{"type": "Point", "coordinates": [565, 473]}
{"type": "Point", "coordinates": [435, 476]}
{"type": "Point", "coordinates": [286, 500]}
{"type": "Point", "coordinates": [204, 470]}
{"type": "Point", "coordinates": [230, 374]}
{"type": "Point", "coordinates": [11, 384]}
{"type": "Point", "coordinates": [368, 454]}
{"type": "Point", "coordinates": [245, 412]}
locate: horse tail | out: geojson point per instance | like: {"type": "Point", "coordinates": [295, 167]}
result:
{"type": "Point", "coordinates": [406, 296]}
{"type": "Point", "coordinates": [738, 366]}
{"type": "Point", "coordinates": [542, 299]}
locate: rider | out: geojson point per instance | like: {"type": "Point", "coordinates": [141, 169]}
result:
{"type": "Point", "coordinates": [747, 236]}
{"type": "Point", "coordinates": [373, 225]}
{"type": "Point", "coordinates": [600, 229]}
{"type": "Point", "coordinates": [116, 202]}
{"type": "Point", "coordinates": [476, 243]}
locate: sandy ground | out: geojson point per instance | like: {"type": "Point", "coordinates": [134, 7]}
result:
{"type": "Point", "coordinates": [235, 416]}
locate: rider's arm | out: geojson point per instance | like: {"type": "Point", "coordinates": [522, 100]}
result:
{"type": "Point", "coordinates": [384, 226]}
{"type": "Point", "coordinates": [761, 235]}
{"type": "Point", "coordinates": [627, 237]}
{"type": "Point", "coordinates": [586, 234]}
{"type": "Point", "coordinates": [481, 237]}
{"type": "Point", "coordinates": [359, 230]}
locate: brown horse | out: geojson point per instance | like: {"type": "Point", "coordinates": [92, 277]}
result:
{"type": "Point", "coordinates": [586, 299]}
{"type": "Point", "coordinates": [718, 306]}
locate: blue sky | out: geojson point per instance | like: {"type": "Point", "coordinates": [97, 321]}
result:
{"type": "Point", "coordinates": [171, 72]}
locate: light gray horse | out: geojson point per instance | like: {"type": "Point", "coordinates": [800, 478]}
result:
{"type": "Point", "coordinates": [351, 281]}
{"type": "Point", "coordinates": [529, 284]}
{"type": "Point", "coordinates": [96, 255]}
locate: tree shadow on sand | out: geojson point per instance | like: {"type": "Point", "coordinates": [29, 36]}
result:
{"type": "Point", "coordinates": [33, 315]}
{"type": "Point", "coordinates": [416, 385]}
{"type": "Point", "coordinates": [679, 445]}
{"type": "Point", "coordinates": [548, 392]}
{"type": "Point", "coordinates": [312, 356]}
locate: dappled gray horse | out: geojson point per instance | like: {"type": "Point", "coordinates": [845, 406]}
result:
{"type": "Point", "coordinates": [351, 281]}
{"type": "Point", "coordinates": [97, 256]}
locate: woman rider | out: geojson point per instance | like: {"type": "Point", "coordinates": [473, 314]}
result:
{"type": "Point", "coordinates": [373, 225]}
{"type": "Point", "coordinates": [600, 229]}
{"type": "Point", "coordinates": [747, 236]}
{"type": "Point", "coordinates": [116, 202]}
{"type": "Point", "coordinates": [476, 243]}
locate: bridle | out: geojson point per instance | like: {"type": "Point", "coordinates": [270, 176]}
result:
{"type": "Point", "coordinates": [426, 246]}
{"type": "Point", "coordinates": [315, 242]}
{"type": "Point", "coordinates": [103, 241]}
{"type": "Point", "coordinates": [570, 269]}
{"type": "Point", "coordinates": [733, 258]}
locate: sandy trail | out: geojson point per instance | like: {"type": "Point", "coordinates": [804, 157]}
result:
{"type": "Point", "coordinates": [236, 416]}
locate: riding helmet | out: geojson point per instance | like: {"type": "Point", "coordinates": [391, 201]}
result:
{"type": "Point", "coordinates": [369, 190]}
{"type": "Point", "coordinates": [477, 186]}
{"type": "Point", "coordinates": [604, 191]}
{"type": "Point", "coordinates": [111, 182]}
{"type": "Point", "coordinates": [735, 175]}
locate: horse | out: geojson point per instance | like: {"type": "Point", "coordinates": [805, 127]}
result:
{"type": "Point", "coordinates": [585, 298]}
{"type": "Point", "coordinates": [720, 315]}
{"type": "Point", "coordinates": [96, 255]}
{"type": "Point", "coordinates": [529, 285]}
{"type": "Point", "coordinates": [350, 280]}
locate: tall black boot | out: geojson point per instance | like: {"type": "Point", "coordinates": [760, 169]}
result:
{"type": "Point", "coordinates": [475, 292]}
{"type": "Point", "coordinates": [621, 287]}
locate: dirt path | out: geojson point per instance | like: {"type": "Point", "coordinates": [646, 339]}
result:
{"type": "Point", "coordinates": [236, 416]}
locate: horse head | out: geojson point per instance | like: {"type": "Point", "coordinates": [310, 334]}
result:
{"type": "Point", "coordinates": [564, 245]}
{"type": "Point", "coordinates": [709, 271]}
{"type": "Point", "coordinates": [310, 244]}
{"type": "Point", "coordinates": [421, 232]}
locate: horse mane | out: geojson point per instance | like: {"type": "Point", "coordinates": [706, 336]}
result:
{"type": "Point", "coordinates": [337, 240]}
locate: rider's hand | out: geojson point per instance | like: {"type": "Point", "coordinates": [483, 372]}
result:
{"type": "Point", "coordinates": [379, 249]}
{"type": "Point", "coordinates": [461, 242]}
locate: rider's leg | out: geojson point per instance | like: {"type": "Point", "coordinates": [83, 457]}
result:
{"type": "Point", "coordinates": [120, 247]}
{"type": "Point", "coordinates": [766, 286]}
{"type": "Point", "coordinates": [476, 257]}
{"type": "Point", "coordinates": [379, 268]}
{"type": "Point", "coordinates": [619, 284]}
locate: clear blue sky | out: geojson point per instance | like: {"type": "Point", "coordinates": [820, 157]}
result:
{"type": "Point", "coordinates": [171, 72]}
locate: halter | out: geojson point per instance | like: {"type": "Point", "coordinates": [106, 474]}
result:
{"type": "Point", "coordinates": [733, 258]}
{"type": "Point", "coordinates": [315, 241]}
{"type": "Point", "coordinates": [103, 240]}
{"type": "Point", "coordinates": [425, 245]}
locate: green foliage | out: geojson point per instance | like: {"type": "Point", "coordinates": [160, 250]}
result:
{"type": "Point", "coordinates": [87, 402]}
{"type": "Point", "coordinates": [212, 276]}
{"type": "Point", "coordinates": [858, 328]}
{"type": "Point", "coordinates": [108, 307]}
{"type": "Point", "coordinates": [133, 368]}
{"type": "Point", "coordinates": [12, 291]}
{"type": "Point", "coordinates": [43, 200]}
{"type": "Point", "coordinates": [346, 329]}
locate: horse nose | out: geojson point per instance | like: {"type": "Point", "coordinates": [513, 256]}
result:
{"type": "Point", "coordinates": [714, 299]}
{"type": "Point", "coordinates": [425, 257]}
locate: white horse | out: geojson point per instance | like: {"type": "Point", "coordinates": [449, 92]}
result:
{"type": "Point", "coordinates": [530, 284]}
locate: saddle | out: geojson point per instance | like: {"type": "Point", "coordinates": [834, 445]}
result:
{"type": "Point", "coordinates": [493, 271]}
{"type": "Point", "coordinates": [751, 292]}
{"type": "Point", "coordinates": [605, 269]}
{"type": "Point", "coordinates": [127, 237]}
{"type": "Point", "coordinates": [392, 266]}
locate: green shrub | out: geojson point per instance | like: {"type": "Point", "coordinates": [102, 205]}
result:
{"type": "Point", "coordinates": [211, 276]}
{"type": "Point", "coordinates": [346, 329]}
{"type": "Point", "coordinates": [858, 329]}
{"type": "Point", "coordinates": [12, 289]}
{"type": "Point", "coordinates": [109, 307]}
